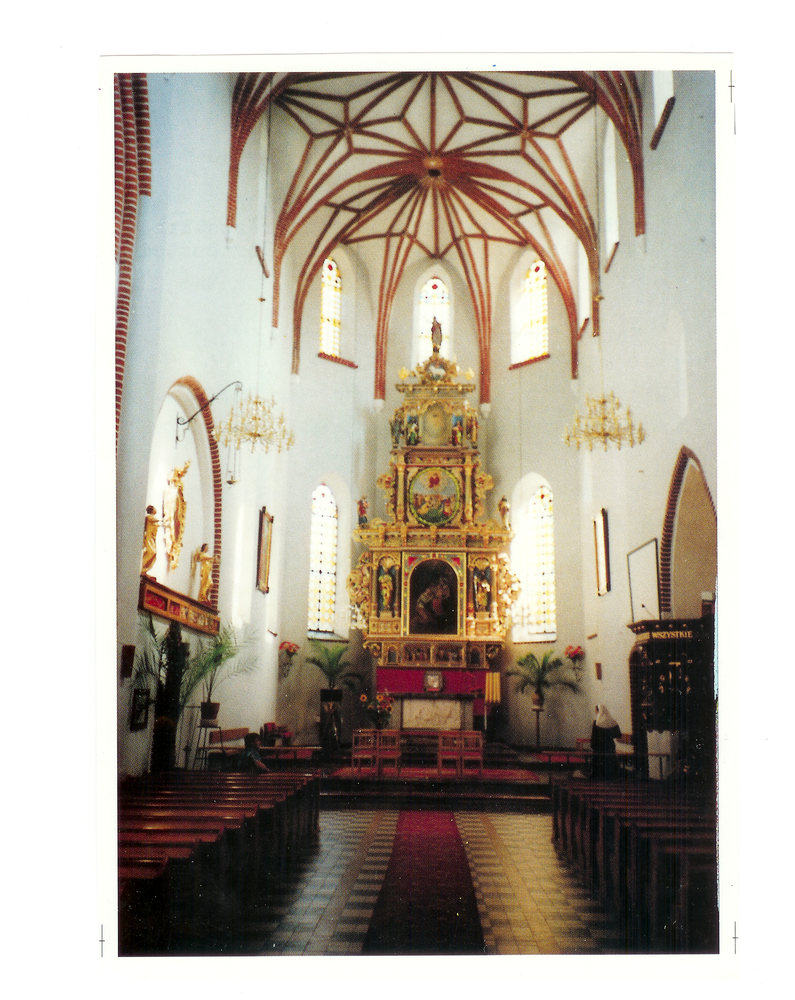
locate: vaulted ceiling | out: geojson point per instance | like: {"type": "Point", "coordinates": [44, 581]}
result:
{"type": "Point", "coordinates": [442, 165]}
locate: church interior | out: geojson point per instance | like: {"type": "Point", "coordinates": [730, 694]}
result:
{"type": "Point", "coordinates": [416, 489]}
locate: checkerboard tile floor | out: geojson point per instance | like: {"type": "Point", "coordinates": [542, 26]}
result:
{"type": "Point", "coordinates": [529, 903]}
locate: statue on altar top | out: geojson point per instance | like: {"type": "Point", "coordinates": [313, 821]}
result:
{"type": "Point", "coordinates": [436, 335]}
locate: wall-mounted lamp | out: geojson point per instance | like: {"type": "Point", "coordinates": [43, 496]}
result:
{"type": "Point", "coordinates": [231, 477]}
{"type": "Point", "coordinates": [184, 423]}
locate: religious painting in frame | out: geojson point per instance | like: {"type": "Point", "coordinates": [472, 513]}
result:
{"type": "Point", "coordinates": [433, 594]}
{"type": "Point", "coordinates": [435, 496]}
{"type": "Point", "coordinates": [264, 550]}
{"type": "Point", "coordinates": [602, 553]}
{"type": "Point", "coordinates": [433, 681]}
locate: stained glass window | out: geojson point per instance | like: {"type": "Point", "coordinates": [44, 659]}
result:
{"type": "Point", "coordinates": [532, 336]}
{"type": "Point", "coordinates": [534, 559]}
{"type": "Point", "coordinates": [434, 304]}
{"type": "Point", "coordinates": [322, 561]}
{"type": "Point", "coordinates": [330, 308]}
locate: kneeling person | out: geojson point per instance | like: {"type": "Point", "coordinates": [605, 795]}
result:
{"type": "Point", "coordinates": [250, 760]}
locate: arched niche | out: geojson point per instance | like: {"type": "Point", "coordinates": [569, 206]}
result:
{"type": "Point", "coordinates": [173, 446]}
{"type": "Point", "coordinates": [689, 548]}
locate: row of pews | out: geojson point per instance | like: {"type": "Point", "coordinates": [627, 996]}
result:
{"type": "Point", "coordinates": [649, 851]}
{"type": "Point", "coordinates": [196, 848]}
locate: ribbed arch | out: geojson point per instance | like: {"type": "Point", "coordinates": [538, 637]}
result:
{"type": "Point", "coordinates": [133, 179]}
{"type": "Point", "coordinates": [685, 458]}
{"type": "Point", "coordinates": [179, 389]}
{"type": "Point", "coordinates": [402, 158]}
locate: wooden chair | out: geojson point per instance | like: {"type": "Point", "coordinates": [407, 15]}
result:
{"type": "Point", "coordinates": [449, 751]}
{"type": "Point", "coordinates": [364, 750]}
{"type": "Point", "coordinates": [472, 751]}
{"type": "Point", "coordinates": [389, 750]}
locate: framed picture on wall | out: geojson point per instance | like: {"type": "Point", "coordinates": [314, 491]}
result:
{"type": "Point", "coordinates": [602, 552]}
{"type": "Point", "coordinates": [264, 550]}
{"type": "Point", "coordinates": [433, 681]}
{"type": "Point", "coordinates": [139, 714]}
{"type": "Point", "coordinates": [644, 588]}
{"type": "Point", "coordinates": [433, 593]}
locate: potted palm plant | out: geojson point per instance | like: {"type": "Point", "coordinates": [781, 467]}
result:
{"type": "Point", "coordinates": [161, 659]}
{"type": "Point", "coordinates": [538, 676]}
{"type": "Point", "coordinates": [213, 663]}
{"type": "Point", "coordinates": [328, 658]}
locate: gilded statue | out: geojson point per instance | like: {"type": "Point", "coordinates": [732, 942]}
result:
{"type": "Point", "coordinates": [505, 512]}
{"type": "Point", "coordinates": [151, 524]}
{"type": "Point", "coordinates": [174, 514]}
{"type": "Point", "coordinates": [436, 335]}
{"type": "Point", "coordinates": [205, 562]}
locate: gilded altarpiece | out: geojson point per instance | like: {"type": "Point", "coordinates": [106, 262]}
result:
{"type": "Point", "coordinates": [433, 588]}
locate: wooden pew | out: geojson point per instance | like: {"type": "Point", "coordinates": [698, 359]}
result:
{"type": "Point", "coordinates": [182, 831]}
{"type": "Point", "coordinates": [258, 820]}
{"type": "Point", "coordinates": [301, 793]}
{"type": "Point", "coordinates": [649, 851]}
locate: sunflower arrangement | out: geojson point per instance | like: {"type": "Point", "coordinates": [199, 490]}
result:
{"type": "Point", "coordinates": [379, 709]}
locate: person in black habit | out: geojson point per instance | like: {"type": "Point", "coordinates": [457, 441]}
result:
{"type": "Point", "coordinates": [604, 733]}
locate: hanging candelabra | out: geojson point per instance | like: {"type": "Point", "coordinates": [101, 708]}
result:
{"type": "Point", "coordinates": [604, 423]}
{"type": "Point", "coordinates": [251, 423]}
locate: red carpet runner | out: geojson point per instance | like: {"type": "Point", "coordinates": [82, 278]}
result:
{"type": "Point", "coordinates": [427, 903]}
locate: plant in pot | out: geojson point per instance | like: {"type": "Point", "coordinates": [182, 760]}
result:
{"type": "Point", "coordinates": [328, 658]}
{"type": "Point", "coordinates": [378, 709]}
{"type": "Point", "coordinates": [160, 663]}
{"type": "Point", "coordinates": [213, 663]}
{"type": "Point", "coordinates": [163, 662]}
{"type": "Point", "coordinates": [538, 676]}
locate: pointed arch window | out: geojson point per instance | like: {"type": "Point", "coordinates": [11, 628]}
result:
{"type": "Point", "coordinates": [434, 303]}
{"type": "Point", "coordinates": [330, 308]}
{"type": "Point", "coordinates": [533, 558]}
{"type": "Point", "coordinates": [531, 339]}
{"type": "Point", "coordinates": [322, 561]}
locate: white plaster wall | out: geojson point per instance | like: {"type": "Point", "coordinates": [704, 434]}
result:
{"type": "Point", "coordinates": [196, 311]}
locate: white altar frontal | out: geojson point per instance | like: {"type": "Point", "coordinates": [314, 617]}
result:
{"type": "Point", "coordinates": [433, 711]}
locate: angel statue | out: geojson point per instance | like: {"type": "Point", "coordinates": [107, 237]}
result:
{"type": "Point", "coordinates": [174, 514]}
{"type": "Point", "coordinates": [505, 512]}
{"type": "Point", "coordinates": [205, 562]}
{"type": "Point", "coordinates": [151, 524]}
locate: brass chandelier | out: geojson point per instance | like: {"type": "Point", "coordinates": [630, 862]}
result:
{"type": "Point", "coordinates": [251, 423]}
{"type": "Point", "coordinates": [254, 422]}
{"type": "Point", "coordinates": [604, 423]}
